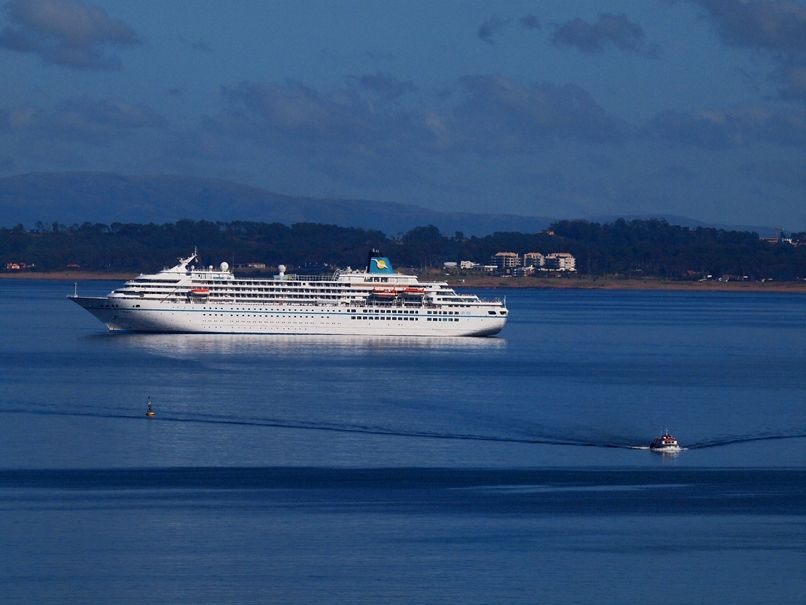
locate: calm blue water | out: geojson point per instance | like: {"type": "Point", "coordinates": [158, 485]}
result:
{"type": "Point", "coordinates": [304, 469]}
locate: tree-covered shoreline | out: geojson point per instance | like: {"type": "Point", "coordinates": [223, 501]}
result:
{"type": "Point", "coordinates": [650, 248]}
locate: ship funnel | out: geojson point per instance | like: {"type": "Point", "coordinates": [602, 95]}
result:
{"type": "Point", "coordinates": [379, 264]}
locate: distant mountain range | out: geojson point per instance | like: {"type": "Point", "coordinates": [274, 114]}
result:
{"type": "Point", "coordinates": [107, 198]}
{"type": "Point", "coordinates": [79, 197]}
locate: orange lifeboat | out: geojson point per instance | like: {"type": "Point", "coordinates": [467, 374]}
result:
{"type": "Point", "coordinates": [385, 293]}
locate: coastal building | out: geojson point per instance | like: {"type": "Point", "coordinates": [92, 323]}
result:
{"type": "Point", "coordinates": [560, 261]}
{"type": "Point", "coordinates": [511, 263]}
{"type": "Point", "coordinates": [19, 266]}
{"type": "Point", "coordinates": [533, 259]}
{"type": "Point", "coordinates": [505, 260]}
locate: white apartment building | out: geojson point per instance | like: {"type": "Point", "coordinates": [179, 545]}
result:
{"type": "Point", "coordinates": [533, 259]}
{"type": "Point", "coordinates": [560, 261]}
{"type": "Point", "coordinates": [506, 260]}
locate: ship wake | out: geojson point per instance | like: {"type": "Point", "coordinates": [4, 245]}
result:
{"type": "Point", "coordinates": [376, 430]}
{"type": "Point", "coordinates": [363, 429]}
{"type": "Point", "coordinates": [748, 438]}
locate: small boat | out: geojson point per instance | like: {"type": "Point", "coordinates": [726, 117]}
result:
{"type": "Point", "coordinates": [200, 292]}
{"type": "Point", "coordinates": [150, 413]}
{"type": "Point", "coordinates": [665, 444]}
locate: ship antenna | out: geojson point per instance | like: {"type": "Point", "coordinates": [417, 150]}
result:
{"type": "Point", "coordinates": [372, 252]}
{"type": "Point", "coordinates": [75, 289]}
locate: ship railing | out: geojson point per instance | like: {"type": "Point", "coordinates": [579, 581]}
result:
{"type": "Point", "coordinates": [321, 277]}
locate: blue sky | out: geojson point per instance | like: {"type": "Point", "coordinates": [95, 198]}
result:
{"type": "Point", "coordinates": [548, 108]}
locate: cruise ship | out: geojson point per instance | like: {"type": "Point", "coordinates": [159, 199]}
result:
{"type": "Point", "coordinates": [376, 301]}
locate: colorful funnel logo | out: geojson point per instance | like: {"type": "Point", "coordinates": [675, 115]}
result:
{"type": "Point", "coordinates": [380, 264]}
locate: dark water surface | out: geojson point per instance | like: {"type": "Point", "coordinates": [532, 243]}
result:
{"type": "Point", "coordinates": [349, 470]}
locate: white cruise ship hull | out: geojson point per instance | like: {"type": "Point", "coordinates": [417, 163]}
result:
{"type": "Point", "coordinates": [143, 315]}
{"type": "Point", "coordinates": [187, 298]}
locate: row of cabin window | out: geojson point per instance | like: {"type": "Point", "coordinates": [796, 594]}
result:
{"type": "Point", "coordinates": [264, 315]}
{"type": "Point", "coordinates": [385, 317]}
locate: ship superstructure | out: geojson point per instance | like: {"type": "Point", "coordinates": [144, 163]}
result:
{"type": "Point", "coordinates": [375, 301]}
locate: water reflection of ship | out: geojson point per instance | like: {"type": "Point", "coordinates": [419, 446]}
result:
{"type": "Point", "coordinates": [189, 345]}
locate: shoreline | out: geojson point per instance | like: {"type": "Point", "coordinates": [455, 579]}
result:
{"type": "Point", "coordinates": [632, 284]}
{"type": "Point", "coordinates": [68, 276]}
{"type": "Point", "coordinates": [581, 283]}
